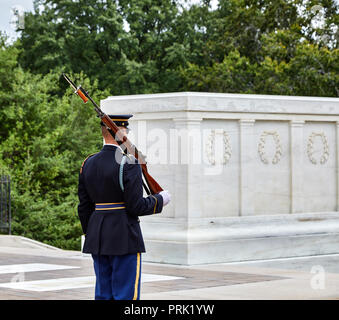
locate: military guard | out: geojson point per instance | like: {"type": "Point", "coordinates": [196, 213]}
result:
{"type": "Point", "coordinates": [111, 200]}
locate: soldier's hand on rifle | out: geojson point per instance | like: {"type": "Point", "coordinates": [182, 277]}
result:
{"type": "Point", "coordinates": [166, 196]}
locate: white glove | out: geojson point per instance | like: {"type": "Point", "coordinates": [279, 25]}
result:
{"type": "Point", "coordinates": [165, 196]}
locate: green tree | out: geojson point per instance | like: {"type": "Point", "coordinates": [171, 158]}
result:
{"type": "Point", "coordinates": [43, 149]}
{"type": "Point", "coordinates": [8, 63]}
{"type": "Point", "coordinates": [234, 74]}
{"type": "Point", "coordinates": [257, 46]}
{"type": "Point", "coordinates": [293, 67]}
{"type": "Point", "coordinates": [89, 36]}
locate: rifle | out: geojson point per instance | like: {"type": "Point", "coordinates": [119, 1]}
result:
{"type": "Point", "coordinates": [120, 137]}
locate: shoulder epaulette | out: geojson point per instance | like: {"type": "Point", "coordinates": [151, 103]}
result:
{"type": "Point", "coordinates": [86, 159]}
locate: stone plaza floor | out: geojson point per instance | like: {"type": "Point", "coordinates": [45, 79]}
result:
{"type": "Point", "coordinates": [33, 271]}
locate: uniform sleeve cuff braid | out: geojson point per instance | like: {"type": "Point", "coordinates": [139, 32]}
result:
{"type": "Point", "coordinates": [158, 203]}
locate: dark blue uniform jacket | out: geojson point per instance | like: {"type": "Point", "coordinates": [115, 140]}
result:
{"type": "Point", "coordinates": [113, 232]}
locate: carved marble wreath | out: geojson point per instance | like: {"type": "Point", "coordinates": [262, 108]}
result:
{"type": "Point", "coordinates": [310, 150]}
{"type": "Point", "coordinates": [210, 147]}
{"type": "Point", "coordinates": [278, 148]}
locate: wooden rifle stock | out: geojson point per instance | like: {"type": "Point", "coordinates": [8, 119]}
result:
{"type": "Point", "coordinates": [119, 136]}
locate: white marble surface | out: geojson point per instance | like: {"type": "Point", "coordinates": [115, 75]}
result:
{"type": "Point", "coordinates": [221, 102]}
{"type": "Point", "coordinates": [261, 156]}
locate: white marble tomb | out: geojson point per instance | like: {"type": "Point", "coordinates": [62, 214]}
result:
{"type": "Point", "coordinates": [251, 176]}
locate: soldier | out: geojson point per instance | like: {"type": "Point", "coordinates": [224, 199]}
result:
{"type": "Point", "coordinates": [111, 201]}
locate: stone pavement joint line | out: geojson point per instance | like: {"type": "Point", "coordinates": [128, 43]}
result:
{"type": "Point", "coordinates": [71, 283]}
{"type": "Point", "coordinates": [32, 267]}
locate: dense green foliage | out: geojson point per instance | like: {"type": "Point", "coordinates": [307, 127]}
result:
{"type": "Point", "coordinates": [245, 46]}
{"type": "Point", "coordinates": [139, 46]}
{"type": "Point", "coordinates": [44, 139]}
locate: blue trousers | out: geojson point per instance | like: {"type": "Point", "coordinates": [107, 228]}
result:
{"type": "Point", "coordinates": [117, 277]}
